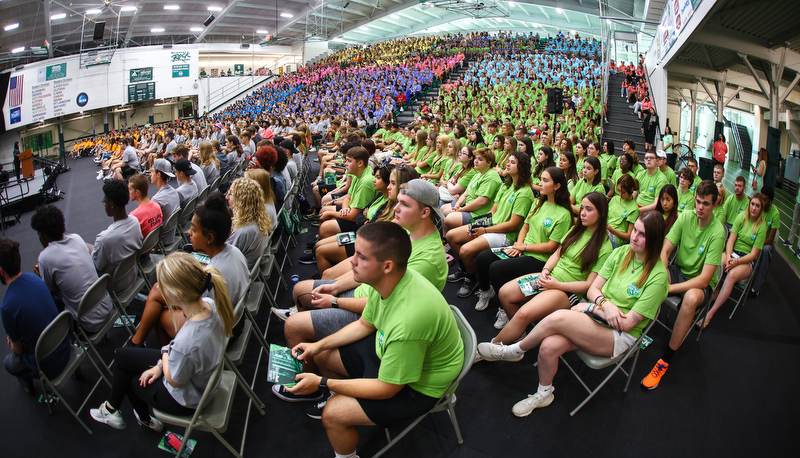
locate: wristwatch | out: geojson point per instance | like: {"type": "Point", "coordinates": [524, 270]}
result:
{"type": "Point", "coordinates": [335, 303]}
{"type": "Point", "coordinates": [323, 383]}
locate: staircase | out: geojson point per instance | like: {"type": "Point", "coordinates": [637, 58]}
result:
{"type": "Point", "coordinates": [407, 115]}
{"type": "Point", "coordinates": [622, 123]}
{"type": "Point", "coordinates": [744, 145]}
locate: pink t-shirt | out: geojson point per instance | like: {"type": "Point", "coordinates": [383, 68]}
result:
{"type": "Point", "coordinates": [149, 216]}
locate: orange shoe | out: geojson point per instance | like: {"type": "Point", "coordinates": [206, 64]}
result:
{"type": "Point", "coordinates": [654, 377]}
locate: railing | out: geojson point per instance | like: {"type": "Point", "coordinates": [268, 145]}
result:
{"type": "Point", "coordinates": [234, 89]}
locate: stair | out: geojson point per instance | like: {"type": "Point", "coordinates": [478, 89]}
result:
{"type": "Point", "coordinates": [622, 123]}
{"type": "Point", "coordinates": [407, 115]}
{"type": "Point", "coordinates": [744, 145]}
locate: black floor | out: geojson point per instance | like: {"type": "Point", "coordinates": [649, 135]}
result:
{"type": "Point", "coordinates": [731, 394]}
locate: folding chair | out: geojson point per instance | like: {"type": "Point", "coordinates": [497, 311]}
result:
{"type": "Point", "coordinates": [271, 264]}
{"type": "Point", "coordinates": [601, 362]}
{"type": "Point", "coordinates": [215, 184]}
{"type": "Point", "coordinates": [169, 227]}
{"type": "Point", "coordinates": [744, 287]}
{"type": "Point", "coordinates": [186, 217]}
{"type": "Point", "coordinates": [49, 340]}
{"type": "Point", "coordinates": [448, 401]}
{"type": "Point", "coordinates": [201, 197]}
{"type": "Point", "coordinates": [91, 299]}
{"type": "Point", "coordinates": [144, 264]}
{"type": "Point", "coordinates": [122, 299]}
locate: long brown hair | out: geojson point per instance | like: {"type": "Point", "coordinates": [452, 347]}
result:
{"type": "Point", "coordinates": [654, 228]}
{"type": "Point", "coordinates": [561, 195]}
{"type": "Point", "coordinates": [591, 252]}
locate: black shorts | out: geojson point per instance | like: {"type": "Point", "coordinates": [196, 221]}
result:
{"type": "Point", "coordinates": [361, 361]}
{"type": "Point", "coordinates": [127, 171]}
{"type": "Point", "coordinates": [346, 225]}
{"type": "Point", "coordinates": [677, 276]}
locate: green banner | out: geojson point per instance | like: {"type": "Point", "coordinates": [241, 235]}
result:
{"type": "Point", "coordinates": [141, 74]}
{"type": "Point", "coordinates": [57, 71]}
{"type": "Point", "coordinates": [238, 69]}
{"type": "Point", "coordinates": [180, 71]}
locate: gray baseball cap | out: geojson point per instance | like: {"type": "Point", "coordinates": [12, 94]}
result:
{"type": "Point", "coordinates": [163, 165]}
{"type": "Point", "coordinates": [425, 193]}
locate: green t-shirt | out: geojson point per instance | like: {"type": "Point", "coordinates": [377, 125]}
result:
{"type": "Point", "coordinates": [483, 185]}
{"type": "Point", "coordinates": [512, 202]}
{"type": "Point", "coordinates": [611, 162]}
{"type": "Point", "coordinates": [568, 268]}
{"type": "Point", "coordinates": [734, 206]}
{"type": "Point", "coordinates": [452, 169]}
{"type": "Point", "coordinates": [617, 175]}
{"type": "Point", "coordinates": [685, 200]}
{"type": "Point", "coordinates": [669, 174]}
{"type": "Point", "coordinates": [417, 337]}
{"type": "Point", "coordinates": [465, 179]}
{"type": "Point", "coordinates": [583, 187]}
{"type": "Point", "coordinates": [420, 156]}
{"type": "Point", "coordinates": [362, 190]}
{"type": "Point", "coordinates": [649, 187]}
{"type": "Point", "coordinates": [489, 138]}
{"type": "Point", "coordinates": [696, 182]}
{"type": "Point", "coordinates": [719, 214]}
{"type": "Point", "coordinates": [603, 169]}
{"type": "Point", "coordinates": [443, 164]}
{"type": "Point", "coordinates": [748, 235]}
{"type": "Point", "coordinates": [773, 218]}
{"type": "Point", "coordinates": [621, 213]}
{"type": "Point", "coordinates": [375, 206]}
{"type": "Point", "coordinates": [551, 222]}
{"type": "Point", "coordinates": [622, 289]}
{"type": "Point", "coordinates": [697, 247]}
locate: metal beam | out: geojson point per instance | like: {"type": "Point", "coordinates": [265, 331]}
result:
{"type": "Point", "coordinates": [755, 75]}
{"type": "Point", "coordinates": [129, 33]}
{"type": "Point", "coordinates": [702, 83]}
{"type": "Point", "coordinates": [217, 17]}
{"type": "Point", "coordinates": [790, 88]}
{"type": "Point", "coordinates": [733, 96]}
{"type": "Point", "coordinates": [48, 31]}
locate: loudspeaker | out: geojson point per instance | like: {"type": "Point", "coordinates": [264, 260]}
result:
{"type": "Point", "coordinates": [99, 30]}
{"type": "Point", "coordinates": [209, 20]}
{"type": "Point", "coordinates": [555, 100]}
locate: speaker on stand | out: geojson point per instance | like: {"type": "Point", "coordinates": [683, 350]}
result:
{"type": "Point", "coordinates": [555, 100]}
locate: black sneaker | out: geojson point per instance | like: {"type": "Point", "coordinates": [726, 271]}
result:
{"type": "Point", "coordinates": [456, 276]}
{"type": "Point", "coordinates": [315, 410]}
{"type": "Point", "coordinates": [281, 392]}
{"type": "Point", "coordinates": [467, 288]}
{"type": "Point", "coordinates": [307, 259]}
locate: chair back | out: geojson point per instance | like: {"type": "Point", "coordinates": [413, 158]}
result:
{"type": "Point", "coordinates": [151, 240]}
{"type": "Point", "coordinates": [94, 295]}
{"type": "Point", "coordinates": [171, 222]}
{"type": "Point", "coordinates": [215, 184]}
{"type": "Point", "coordinates": [123, 269]}
{"type": "Point", "coordinates": [201, 197]}
{"type": "Point", "coordinates": [470, 347]}
{"type": "Point", "coordinates": [53, 335]}
{"type": "Point", "coordinates": [188, 209]}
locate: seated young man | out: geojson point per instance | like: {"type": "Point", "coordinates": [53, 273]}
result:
{"type": "Point", "coordinates": [147, 212]}
{"type": "Point", "coordinates": [419, 350]}
{"type": "Point", "coordinates": [27, 309]}
{"type": "Point", "coordinates": [735, 203]}
{"type": "Point", "coordinates": [773, 219]}
{"type": "Point", "coordinates": [129, 164]}
{"type": "Point", "coordinates": [700, 239]}
{"type": "Point", "coordinates": [198, 177]}
{"type": "Point", "coordinates": [166, 197]}
{"type": "Point", "coordinates": [651, 180]}
{"type": "Point", "coordinates": [184, 172]}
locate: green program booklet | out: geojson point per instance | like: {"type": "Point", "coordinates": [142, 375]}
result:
{"type": "Point", "coordinates": [283, 367]}
{"type": "Point", "coordinates": [484, 220]}
{"type": "Point", "coordinates": [529, 285]}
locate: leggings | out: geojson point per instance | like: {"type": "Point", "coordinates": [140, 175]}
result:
{"type": "Point", "coordinates": [128, 367]}
{"type": "Point", "coordinates": [497, 272]}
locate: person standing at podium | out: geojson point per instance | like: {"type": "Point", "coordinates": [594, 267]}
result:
{"type": "Point", "coordinates": [16, 160]}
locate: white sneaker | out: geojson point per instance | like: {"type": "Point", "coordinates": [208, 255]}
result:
{"type": "Point", "coordinates": [284, 314]}
{"type": "Point", "coordinates": [524, 407]}
{"type": "Point", "coordinates": [483, 299]}
{"type": "Point", "coordinates": [155, 424]}
{"type": "Point", "coordinates": [478, 358]}
{"type": "Point", "coordinates": [102, 415]}
{"type": "Point", "coordinates": [100, 175]}
{"type": "Point", "coordinates": [492, 351]}
{"type": "Point", "coordinates": [502, 319]}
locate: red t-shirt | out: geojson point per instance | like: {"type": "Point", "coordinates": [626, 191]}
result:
{"type": "Point", "coordinates": [149, 216]}
{"type": "Point", "coordinates": [720, 150]}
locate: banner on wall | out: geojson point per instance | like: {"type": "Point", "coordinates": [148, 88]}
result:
{"type": "Point", "coordinates": [180, 71]}
{"type": "Point", "coordinates": [52, 72]}
{"type": "Point", "coordinates": [141, 74]}
{"type": "Point", "coordinates": [674, 18]}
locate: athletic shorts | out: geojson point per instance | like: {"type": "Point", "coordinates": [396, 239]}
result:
{"type": "Point", "coordinates": [328, 321]}
{"type": "Point", "coordinates": [622, 342]}
{"type": "Point", "coordinates": [677, 276]}
{"type": "Point", "coordinates": [496, 239]}
{"type": "Point", "coordinates": [361, 361]}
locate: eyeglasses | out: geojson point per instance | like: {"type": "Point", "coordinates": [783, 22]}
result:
{"type": "Point", "coordinates": [649, 158]}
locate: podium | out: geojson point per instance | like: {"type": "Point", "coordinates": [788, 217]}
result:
{"type": "Point", "coordinates": [26, 163]}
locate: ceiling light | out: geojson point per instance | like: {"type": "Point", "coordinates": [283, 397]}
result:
{"type": "Point", "coordinates": [262, 32]}
{"type": "Point", "coordinates": [559, 10]}
{"type": "Point", "coordinates": [287, 15]}
{"type": "Point", "coordinates": [58, 16]}
{"type": "Point", "coordinates": [511, 4]}
{"type": "Point", "coordinates": [172, 7]}
{"type": "Point", "coordinates": [196, 29]}
{"type": "Point", "coordinates": [128, 8]}
{"type": "Point", "coordinates": [363, 27]}
{"type": "Point", "coordinates": [214, 8]}
{"type": "Point", "coordinates": [395, 16]}
{"type": "Point", "coordinates": [157, 30]}
{"type": "Point", "coordinates": [11, 26]}
{"type": "Point", "coordinates": [16, 50]}
{"type": "Point", "coordinates": [93, 11]}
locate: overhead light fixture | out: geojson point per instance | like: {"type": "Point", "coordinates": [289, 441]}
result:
{"type": "Point", "coordinates": [363, 27]}
{"type": "Point", "coordinates": [559, 10]}
{"type": "Point", "coordinates": [572, 32]}
{"type": "Point", "coordinates": [16, 50]}
{"type": "Point", "coordinates": [214, 8]}
{"type": "Point", "coordinates": [172, 7]}
{"type": "Point", "coordinates": [287, 15]}
{"type": "Point", "coordinates": [262, 32]}
{"type": "Point", "coordinates": [58, 16]}
{"type": "Point", "coordinates": [128, 8]}
{"type": "Point", "coordinates": [511, 4]}
{"type": "Point", "coordinates": [11, 26]}
{"type": "Point", "coordinates": [157, 29]}
{"type": "Point", "coordinates": [395, 16]}
{"type": "Point", "coordinates": [93, 11]}
{"type": "Point", "coordinates": [209, 20]}
{"type": "Point", "coordinates": [196, 29]}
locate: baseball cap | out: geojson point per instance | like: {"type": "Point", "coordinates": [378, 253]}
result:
{"type": "Point", "coordinates": [661, 153]}
{"type": "Point", "coordinates": [424, 193]}
{"type": "Point", "coordinates": [163, 166]}
{"type": "Point", "coordinates": [183, 165]}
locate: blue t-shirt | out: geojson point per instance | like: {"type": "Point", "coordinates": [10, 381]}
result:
{"type": "Point", "coordinates": [26, 310]}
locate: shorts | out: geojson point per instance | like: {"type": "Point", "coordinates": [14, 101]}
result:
{"type": "Point", "coordinates": [346, 225]}
{"type": "Point", "coordinates": [622, 342]}
{"type": "Point", "coordinates": [677, 276]}
{"type": "Point", "coordinates": [361, 361]}
{"type": "Point", "coordinates": [742, 254]}
{"type": "Point", "coordinates": [349, 293]}
{"type": "Point", "coordinates": [465, 217]}
{"type": "Point", "coordinates": [127, 171]}
{"type": "Point", "coordinates": [329, 321]}
{"type": "Point", "coordinates": [496, 239]}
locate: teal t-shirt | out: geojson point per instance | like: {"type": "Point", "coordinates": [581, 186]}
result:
{"type": "Point", "coordinates": [748, 234]}
{"type": "Point", "coordinates": [512, 202]}
{"type": "Point", "coordinates": [733, 207]}
{"type": "Point", "coordinates": [551, 222]}
{"type": "Point", "coordinates": [483, 185]}
{"type": "Point", "coordinates": [649, 187]}
{"type": "Point", "coordinates": [697, 247]}
{"type": "Point", "coordinates": [416, 337]}
{"type": "Point", "coordinates": [624, 291]}
{"type": "Point", "coordinates": [622, 213]}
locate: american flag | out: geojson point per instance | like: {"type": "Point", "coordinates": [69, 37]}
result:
{"type": "Point", "coordinates": [15, 90]}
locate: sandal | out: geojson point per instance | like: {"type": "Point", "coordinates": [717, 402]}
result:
{"type": "Point", "coordinates": [704, 324]}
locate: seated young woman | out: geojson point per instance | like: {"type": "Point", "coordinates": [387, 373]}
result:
{"type": "Point", "coordinates": [741, 251]}
{"type": "Point", "coordinates": [512, 204]}
{"type": "Point", "coordinates": [625, 164]}
{"type": "Point", "coordinates": [184, 365]}
{"type": "Point", "coordinates": [622, 211]}
{"type": "Point", "coordinates": [451, 187]}
{"type": "Point", "coordinates": [444, 162]}
{"type": "Point", "coordinates": [565, 277]}
{"type": "Point", "coordinates": [667, 204]}
{"type": "Point", "coordinates": [544, 229]}
{"type": "Point", "coordinates": [625, 296]}
{"type": "Point", "coordinates": [566, 162]}
{"type": "Point", "coordinates": [251, 222]}
{"type": "Point", "coordinates": [544, 160]}
{"type": "Point", "coordinates": [478, 198]}
{"type": "Point", "coordinates": [591, 182]}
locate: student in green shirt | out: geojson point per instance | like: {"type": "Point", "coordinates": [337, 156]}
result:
{"type": "Point", "coordinates": [565, 277]}
{"type": "Point", "coordinates": [436, 147]}
{"type": "Point", "coordinates": [460, 179]}
{"type": "Point", "coordinates": [772, 217]}
{"type": "Point", "coordinates": [593, 150]}
{"type": "Point", "coordinates": [743, 248]}
{"type": "Point", "coordinates": [626, 293]}
{"type": "Point", "coordinates": [669, 174]}
{"type": "Point", "coordinates": [685, 195]}
{"type": "Point", "coordinates": [609, 157]}
{"type": "Point", "coordinates": [512, 204]}
{"type": "Point", "coordinates": [476, 139]}
{"type": "Point", "coordinates": [692, 165]}
{"type": "Point", "coordinates": [509, 146]}
{"type": "Point", "coordinates": [699, 239]}
{"type": "Point", "coordinates": [650, 183]}
{"type": "Point", "coordinates": [566, 162]}
{"type": "Point", "coordinates": [667, 204]}
{"type": "Point", "coordinates": [622, 211]}
{"type": "Point", "coordinates": [719, 211]}
{"type": "Point", "coordinates": [624, 163]}
{"type": "Point", "coordinates": [479, 195]}
{"type": "Point", "coordinates": [735, 203]}
{"type": "Point", "coordinates": [591, 182]}
{"type": "Point", "coordinates": [544, 160]}
{"type": "Point", "coordinates": [444, 162]}
{"type": "Point", "coordinates": [343, 218]}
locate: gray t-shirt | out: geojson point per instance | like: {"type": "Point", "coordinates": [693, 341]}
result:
{"type": "Point", "coordinates": [168, 199]}
{"type": "Point", "coordinates": [199, 177]}
{"type": "Point", "coordinates": [250, 241]}
{"type": "Point", "coordinates": [233, 266]}
{"type": "Point", "coordinates": [120, 241]}
{"type": "Point", "coordinates": [211, 172]}
{"type": "Point", "coordinates": [170, 146]}
{"type": "Point", "coordinates": [68, 271]}
{"type": "Point", "coordinates": [273, 215]}
{"type": "Point", "coordinates": [187, 191]}
{"type": "Point", "coordinates": [194, 354]}
{"type": "Point", "coordinates": [130, 158]}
